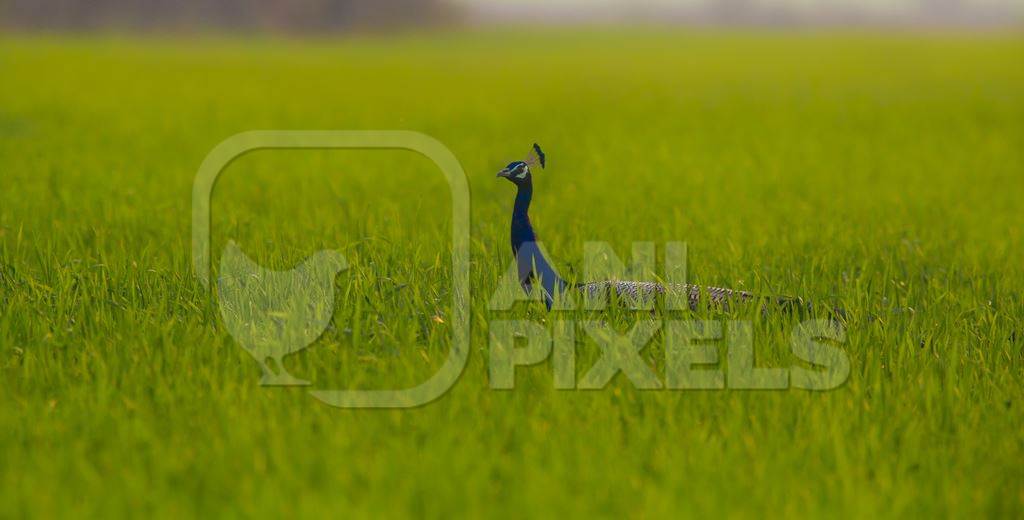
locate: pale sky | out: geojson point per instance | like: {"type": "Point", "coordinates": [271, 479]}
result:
{"type": "Point", "coordinates": [877, 8]}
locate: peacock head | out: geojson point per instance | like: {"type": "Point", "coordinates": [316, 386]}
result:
{"type": "Point", "coordinates": [519, 171]}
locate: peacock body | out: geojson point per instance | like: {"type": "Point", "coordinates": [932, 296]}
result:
{"type": "Point", "coordinates": [647, 291]}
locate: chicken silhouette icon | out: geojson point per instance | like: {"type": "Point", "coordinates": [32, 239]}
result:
{"type": "Point", "coordinates": [276, 313]}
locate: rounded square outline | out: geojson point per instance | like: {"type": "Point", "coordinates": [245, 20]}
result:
{"type": "Point", "coordinates": [239, 144]}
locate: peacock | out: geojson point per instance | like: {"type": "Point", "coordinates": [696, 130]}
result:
{"type": "Point", "coordinates": [534, 268]}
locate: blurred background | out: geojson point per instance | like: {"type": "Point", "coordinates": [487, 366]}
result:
{"type": "Point", "coordinates": [328, 16]}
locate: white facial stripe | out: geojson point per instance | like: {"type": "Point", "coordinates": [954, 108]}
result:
{"type": "Point", "coordinates": [521, 175]}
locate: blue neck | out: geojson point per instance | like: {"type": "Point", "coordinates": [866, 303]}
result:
{"type": "Point", "coordinates": [522, 230]}
{"type": "Point", "coordinates": [530, 261]}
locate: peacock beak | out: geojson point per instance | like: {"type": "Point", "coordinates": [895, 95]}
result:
{"type": "Point", "coordinates": [505, 172]}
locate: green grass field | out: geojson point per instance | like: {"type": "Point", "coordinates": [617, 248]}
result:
{"type": "Point", "coordinates": [879, 172]}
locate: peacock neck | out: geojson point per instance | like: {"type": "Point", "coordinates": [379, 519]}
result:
{"type": "Point", "coordinates": [530, 261]}
{"type": "Point", "coordinates": [522, 229]}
